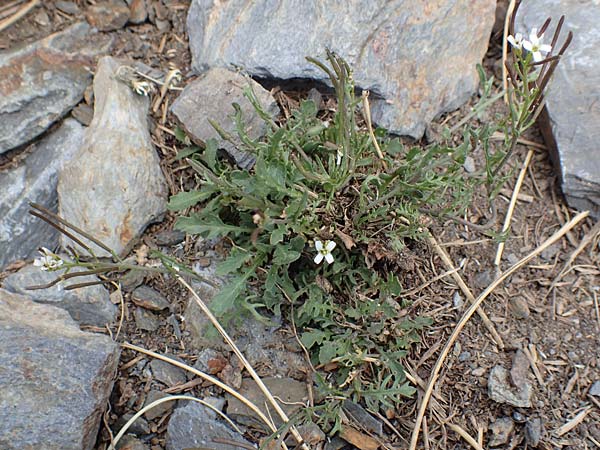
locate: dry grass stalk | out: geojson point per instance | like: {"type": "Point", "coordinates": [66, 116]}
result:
{"type": "Point", "coordinates": [564, 429]}
{"type": "Point", "coordinates": [511, 206]}
{"type": "Point", "coordinates": [367, 110]}
{"type": "Point", "coordinates": [469, 313]}
{"type": "Point", "coordinates": [465, 289]}
{"type": "Point", "coordinates": [463, 434]}
{"type": "Point", "coordinates": [22, 12]}
{"type": "Point", "coordinates": [208, 378]}
{"type": "Point", "coordinates": [137, 415]}
{"type": "Point", "coordinates": [294, 432]}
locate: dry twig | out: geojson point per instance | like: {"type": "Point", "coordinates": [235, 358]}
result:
{"type": "Point", "coordinates": [465, 289]}
{"type": "Point", "coordinates": [463, 434]}
{"type": "Point", "coordinates": [18, 15]}
{"type": "Point", "coordinates": [511, 206]}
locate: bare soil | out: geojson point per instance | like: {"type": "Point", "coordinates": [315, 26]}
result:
{"type": "Point", "coordinates": [548, 309]}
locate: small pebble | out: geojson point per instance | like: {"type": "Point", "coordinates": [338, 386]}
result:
{"type": "Point", "coordinates": [67, 7]}
{"type": "Point", "coordinates": [519, 307]}
{"type": "Point", "coordinates": [457, 300]}
{"type": "Point", "coordinates": [501, 430]}
{"type": "Point", "coordinates": [595, 389]}
{"type": "Point", "coordinates": [533, 432]}
{"type": "Point", "coordinates": [469, 165]}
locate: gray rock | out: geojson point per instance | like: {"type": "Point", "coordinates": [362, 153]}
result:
{"type": "Point", "coordinates": [148, 298]}
{"type": "Point", "coordinates": [501, 430]}
{"type": "Point", "coordinates": [500, 389]}
{"type": "Point", "coordinates": [145, 320]}
{"type": "Point", "coordinates": [34, 179]}
{"type": "Point", "coordinates": [571, 123]}
{"type": "Point", "coordinates": [167, 373]}
{"type": "Point", "coordinates": [533, 431]}
{"type": "Point", "coordinates": [418, 62]}
{"type": "Point", "coordinates": [160, 409]}
{"type": "Point", "coordinates": [194, 426]}
{"type": "Point", "coordinates": [519, 307]}
{"type": "Point", "coordinates": [88, 305]}
{"type": "Point", "coordinates": [363, 418]}
{"type": "Point", "coordinates": [108, 15]}
{"type": "Point", "coordinates": [293, 394]}
{"type": "Point", "coordinates": [131, 443]}
{"type": "Point", "coordinates": [113, 188]}
{"type": "Point", "coordinates": [67, 7]}
{"type": "Point", "coordinates": [140, 427]}
{"type": "Point", "coordinates": [519, 370]}
{"type": "Point", "coordinates": [169, 238]}
{"type": "Point", "coordinates": [138, 13]}
{"type": "Point", "coordinates": [210, 97]}
{"type": "Point", "coordinates": [595, 389]}
{"type": "Point", "coordinates": [83, 114]}
{"type": "Point", "coordinates": [41, 82]}
{"type": "Point", "coordinates": [54, 379]}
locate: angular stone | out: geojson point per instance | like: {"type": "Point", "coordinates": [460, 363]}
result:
{"type": "Point", "coordinates": [291, 393]}
{"type": "Point", "coordinates": [210, 97]}
{"type": "Point", "coordinates": [418, 61]}
{"type": "Point", "coordinates": [502, 429]}
{"type": "Point", "coordinates": [138, 13]}
{"type": "Point", "coordinates": [502, 391]}
{"type": "Point", "coordinates": [148, 298]}
{"type": "Point", "coordinates": [195, 426]}
{"type": "Point", "coordinates": [113, 188]}
{"type": "Point", "coordinates": [167, 373]}
{"type": "Point", "coordinates": [145, 320]}
{"type": "Point", "coordinates": [67, 7]}
{"type": "Point", "coordinates": [41, 82]}
{"type": "Point", "coordinates": [161, 408]}
{"type": "Point", "coordinates": [88, 305]}
{"type": "Point", "coordinates": [570, 125]}
{"type": "Point", "coordinates": [54, 379]}
{"type": "Point", "coordinates": [108, 16]}
{"type": "Point", "coordinates": [34, 179]}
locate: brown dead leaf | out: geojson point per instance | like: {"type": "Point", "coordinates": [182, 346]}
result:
{"type": "Point", "coordinates": [346, 239]}
{"type": "Point", "coordinates": [358, 439]}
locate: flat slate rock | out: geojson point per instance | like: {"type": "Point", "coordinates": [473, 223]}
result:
{"type": "Point", "coordinates": [114, 187]}
{"type": "Point", "coordinates": [195, 426]}
{"type": "Point", "coordinates": [34, 179]}
{"type": "Point", "coordinates": [210, 97]}
{"type": "Point", "coordinates": [571, 125]}
{"type": "Point", "coordinates": [55, 380]}
{"type": "Point", "coordinates": [88, 305]}
{"type": "Point", "coordinates": [418, 61]}
{"type": "Point", "coordinates": [43, 81]}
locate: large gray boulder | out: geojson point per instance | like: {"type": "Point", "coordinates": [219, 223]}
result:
{"type": "Point", "coordinates": [88, 305]}
{"type": "Point", "coordinates": [41, 82]}
{"type": "Point", "coordinates": [571, 124]}
{"type": "Point", "coordinates": [54, 379]}
{"type": "Point", "coordinates": [114, 187]}
{"type": "Point", "coordinates": [417, 58]}
{"type": "Point", "coordinates": [34, 179]}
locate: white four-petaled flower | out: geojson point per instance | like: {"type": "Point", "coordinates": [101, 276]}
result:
{"type": "Point", "coordinates": [324, 251]}
{"type": "Point", "coordinates": [516, 41]}
{"type": "Point", "coordinates": [48, 261]}
{"type": "Point", "coordinates": [535, 46]}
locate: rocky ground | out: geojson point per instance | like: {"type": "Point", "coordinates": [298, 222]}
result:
{"type": "Point", "coordinates": [105, 158]}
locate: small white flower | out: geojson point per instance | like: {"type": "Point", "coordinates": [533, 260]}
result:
{"type": "Point", "coordinates": [535, 46]}
{"type": "Point", "coordinates": [516, 41]}
{"type": "Point", "coordinates": [324, 251]}
{"type": "Point", "coordinates": [48, 261]}
{"type": "Point", "coordinates": [338, 159]}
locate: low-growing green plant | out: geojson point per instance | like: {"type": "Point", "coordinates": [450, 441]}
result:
{"type": "Point", "coordinates": [316, 229]}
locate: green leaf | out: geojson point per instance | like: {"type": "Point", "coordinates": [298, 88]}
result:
{"type": "Point", "coordinates": [284, 255]}
{"type": "Point", "coordinates": [310, 338]}
{"type": "Point", "coordinates": [184, 200]}
{"type": "Point", "coordinates": [209, 155]}
{"type": "Point", "coordinates": [227, 296]}
{"type": "Point", "coordinates": [187, 151]}
{"type": "Point", "coordinates": [237, 258]}
{"type": "Point", "coordinates": [277, 235]}
{"type": "Point", "coordinates": [210, 227]}
{"type": "Point", "coordinates": [181, 136]}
